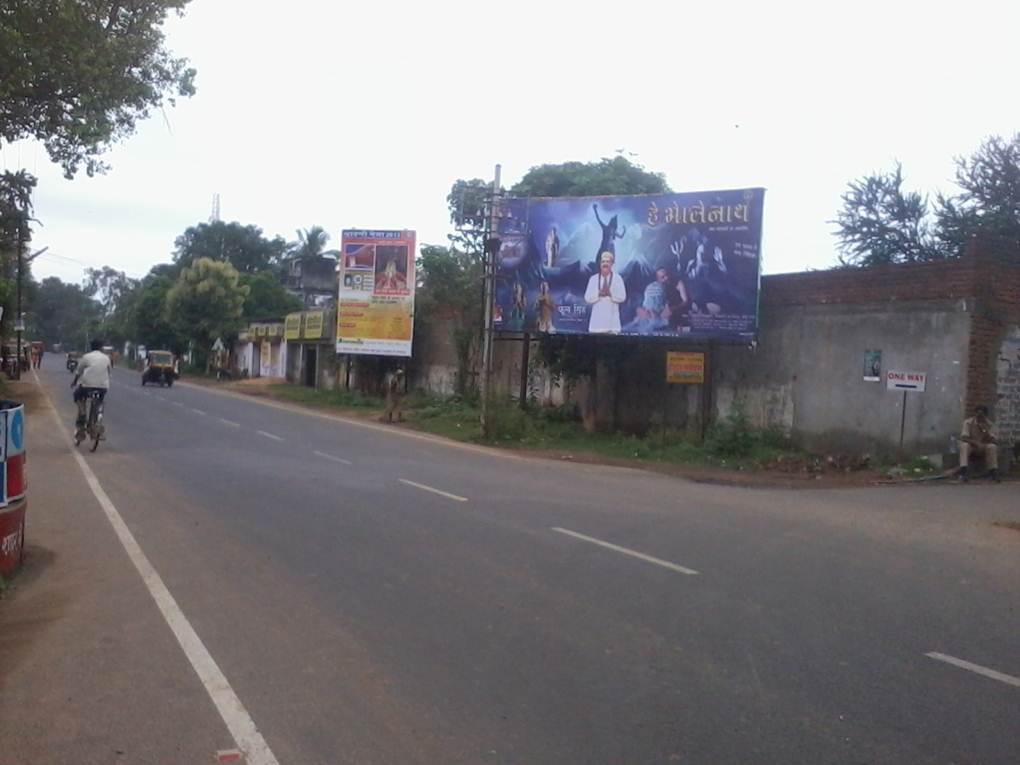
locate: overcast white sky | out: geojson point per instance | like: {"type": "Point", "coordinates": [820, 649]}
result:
{"type": "Point", "coordinates": [362, 114]}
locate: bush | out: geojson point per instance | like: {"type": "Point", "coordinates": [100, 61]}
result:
{"type": "Point", "coordinates": [734, 436]}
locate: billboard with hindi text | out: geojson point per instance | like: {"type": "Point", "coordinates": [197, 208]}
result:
{"type": "Point", "coordinates": [671, 265]}
{"type": "Point", "coordinates": [375, 308]}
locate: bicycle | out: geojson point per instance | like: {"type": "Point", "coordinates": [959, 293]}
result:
{"type": "Point", "coordinates": [93, 427]}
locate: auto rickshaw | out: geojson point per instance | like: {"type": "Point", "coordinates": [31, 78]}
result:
{"type": "Point", "coordinates": [159, 368]}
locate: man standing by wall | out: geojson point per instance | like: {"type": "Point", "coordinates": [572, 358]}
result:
{"type": "Point", "coordinates": [394, 384]}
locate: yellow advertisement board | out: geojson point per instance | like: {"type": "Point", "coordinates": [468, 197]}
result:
{"type": "Point", "coordinates": [313, 325]}
{"type": "Point", "coordinates": [375, 310]}
{"type": "Point", "coordinates": [685, 368]}
{"type": "Point", "coordinates": [292, 326]}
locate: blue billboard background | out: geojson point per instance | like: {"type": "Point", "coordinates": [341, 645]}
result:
{"type": "Point", "coordinates": [669, 265]}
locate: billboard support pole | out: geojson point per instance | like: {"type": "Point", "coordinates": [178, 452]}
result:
{"type": "Point", "coordinates": [491, 228]}
{"type": "Point", "coordinates": [525, 360]}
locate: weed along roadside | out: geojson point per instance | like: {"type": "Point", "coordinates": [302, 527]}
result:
{"type": "Point", "coordinates": [733, 451]}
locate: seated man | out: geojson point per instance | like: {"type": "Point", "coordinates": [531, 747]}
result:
{"type": "Point", "coordinates": [654, 312]}
{"type": "Point", "coordinates": [978, 438]}
{"type": "Point", "coordinates": [94, 373]}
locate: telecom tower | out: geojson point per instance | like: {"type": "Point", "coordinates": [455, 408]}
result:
{"type": "Point", "coordinates": [215, 216]}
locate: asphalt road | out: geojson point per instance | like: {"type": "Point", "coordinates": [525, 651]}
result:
{"type": "Point", "coordinates": [374, 596]}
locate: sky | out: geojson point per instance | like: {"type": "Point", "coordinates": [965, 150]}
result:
{"type": "Point", "coordinates": [361, 115]}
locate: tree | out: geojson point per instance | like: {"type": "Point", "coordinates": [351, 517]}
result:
{"type": "Point", "coordinates": [243, 247]}
{"type": "Point", "coordinates": [449, 286]}
{"type": "Point", "coordinates": [206, 302]}
{"type": "Point", "coordinates": [267, 298]}
{"type": "Point", "coordinates": [468, 203]}
{"type": "Point", "coordinates": [64, 313]}
{"type": "Point", "coordinates": [148, 323]}
{"type": "Point", "coordinates": [881, 223]}
{"type": "Point", "coordinates": [311, 243]}
{"type": "Point", "coordinates": [989, 204]}
{"type": "Point", "coordinates": [79, 75]}
{"type": "Point", "coordinates": [15, 217]}
{"type": "Point", "coordinates": [109, 286]}
{"type": "Point", "coordinates": [580, 179]}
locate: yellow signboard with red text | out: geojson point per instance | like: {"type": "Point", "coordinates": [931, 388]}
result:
{"type": "Point", "coordinates": [685, 368]}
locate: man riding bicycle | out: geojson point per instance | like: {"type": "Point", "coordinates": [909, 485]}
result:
{"type": "Point", "coordinates": [94, 372]}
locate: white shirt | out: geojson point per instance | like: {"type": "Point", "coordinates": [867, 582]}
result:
{"type": "Point", "coordinates": [605, 311]}
{"type": "Point", "coordinates": [94, 370]}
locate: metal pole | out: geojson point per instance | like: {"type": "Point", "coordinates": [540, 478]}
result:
{"type": "Point", "coordinates": [903, 420]}
{"type": "Point", "coordinates": [491, 227]}
{"type": "Point", "coordinates": [18, 320]}
{"type": "Point", "coordinates": [525, 359]}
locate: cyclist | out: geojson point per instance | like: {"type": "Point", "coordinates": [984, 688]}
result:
{"type": "Point", "coordinates": [94, 372]}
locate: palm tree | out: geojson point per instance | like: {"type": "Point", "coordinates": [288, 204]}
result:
{"type": "Point", "coordinates": [311, 243]}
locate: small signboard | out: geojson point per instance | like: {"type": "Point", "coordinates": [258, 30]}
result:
{"type": "Point", "coordinates": [906, 381]}
{"type": "Point", "coordinates": [873, 366]}
{"type": "Point", "coordinates": [685, 368]}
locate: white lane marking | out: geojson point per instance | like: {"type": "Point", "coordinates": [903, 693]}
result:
{"type": "Point", "coordinates": [177, 403]}
{"type": "Point", "coordinates": [198, 411]}
{"type": "Point", "coordinates": [331, 457]}
{"type": "Point", "coordinates": [269, 435]}
{"type": "Point", "coordinates": [231, 423]}
{"type": "Point", "coordinates": [246, 735]}
{"type": "Point", "coordinates": [423, 487]}
{"type": "Point", "coordinates": [976, 668]}
{"type": "Point", "coordinates": [627, 551]}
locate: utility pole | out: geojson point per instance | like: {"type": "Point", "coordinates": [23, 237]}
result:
{"type": "Point", "coordinates": [19, 320]}
{"type": "Point", "coordinates": [490, 250]}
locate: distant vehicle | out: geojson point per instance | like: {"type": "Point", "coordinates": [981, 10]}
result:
{"type": "Point", "coordinates": [72, 360]}
{"type": "Point", "coordinates": [159, 368]}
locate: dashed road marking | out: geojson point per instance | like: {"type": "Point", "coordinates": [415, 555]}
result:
{"type": "Point", "coordinates": [198, 411]}
{"type": "Point", "coordinates": [441, 493]}
{"type": "Point", "coordinates": [334, 459]}
{"type": "Point", "coordinates": [1002, 677]}
{"type": "Point", "coordinates": [269, 435]}
{"type": "Point", "coordinates": [231, 423]}
{"type": "Point", "coordinates": [627, 551]}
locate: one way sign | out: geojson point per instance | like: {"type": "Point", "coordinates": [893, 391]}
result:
{"type": "Point", "coordinates": [905, 380]}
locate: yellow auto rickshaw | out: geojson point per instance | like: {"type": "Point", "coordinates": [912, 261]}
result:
{"type": "Point", "coordinates": [159, 368]}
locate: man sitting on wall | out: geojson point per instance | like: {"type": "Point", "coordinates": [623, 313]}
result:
{"type": "Point", "coordinates": [978, 438]}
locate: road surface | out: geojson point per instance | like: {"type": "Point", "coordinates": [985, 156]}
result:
{"type": "Point", "coordinates": [370, 595]}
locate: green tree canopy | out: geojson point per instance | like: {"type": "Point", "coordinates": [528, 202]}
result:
{"type": "Point", "coordinates": [988, 204]}
{"type": "Point", "coordinates": [206, 302]}
{"type": "Point", "coordinates": [78, 75]}
{"type": "Point", "coordinates": [63, 313]}
{"type": "Point", "coordinates": [109, 287]}
{"type": "Point", "coordinates": [311, 242]}
{"type": "Point", "coordinates": [449, 287]}
{"type": "Point", "coordinates": [580, 179]}
{"type": "Point", "coordinates": [267, 298]}
{"type": "Point", "coordinates": [881, 223]}
{"type": "Point", "coordinates": [244, 247]}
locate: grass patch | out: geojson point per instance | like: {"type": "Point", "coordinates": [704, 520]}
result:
{"type": "Point", "coordinates": [333, 399]}
{"type": "Point", "coordinates": [559, 429]}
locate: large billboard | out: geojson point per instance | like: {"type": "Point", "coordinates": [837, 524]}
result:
{"type": "Point", "coordinates": [375, 309]}
{"type": "Point", "coordinates": [670, 265]}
